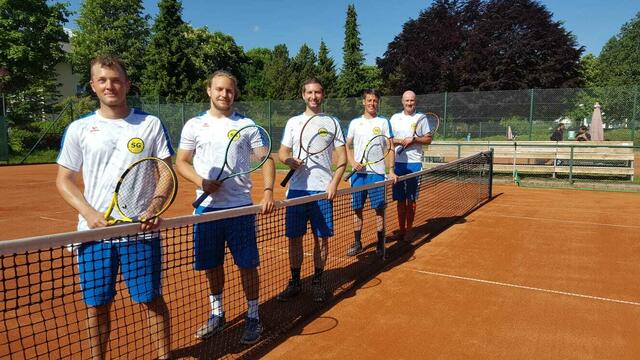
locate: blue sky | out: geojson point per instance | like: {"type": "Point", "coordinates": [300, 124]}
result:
{"type": "Point", "coordinates": [265, 23]}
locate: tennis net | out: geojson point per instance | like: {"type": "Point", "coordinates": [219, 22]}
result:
{"type": "Point", "coordinates": [43, 315]}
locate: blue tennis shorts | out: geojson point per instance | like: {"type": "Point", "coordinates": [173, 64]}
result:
{"type": "Point", "coordinates": [407, 189]}
{"type": "Point", "coordinates": [320, 213]}
{"type": "Point", "coordinates": [140, 261]}
{"type": "Point", "coordinates": [376, 195]}
{"type": "Point", "coordinates": [209, 238]}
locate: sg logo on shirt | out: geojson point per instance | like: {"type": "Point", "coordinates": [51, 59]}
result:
{"type": "Point", "coordinates": [135, 145]}
{"type": "Point", "coordinates": [231, 135]}
{"type": "Point", "coordinates": [377, 131]}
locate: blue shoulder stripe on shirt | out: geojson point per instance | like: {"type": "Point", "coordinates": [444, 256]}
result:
{"type": "Point", "coordinates": [390, 128]}
{"type": "Point", "coordinates": [140, 112]}
{"type": "Point", "coordinates": [168, 138]}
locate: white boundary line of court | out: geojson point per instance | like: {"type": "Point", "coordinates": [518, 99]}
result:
{"type": "Point", "coordinates": [560, 220]}
{"type": "Point", "coordinates": [523, 287]}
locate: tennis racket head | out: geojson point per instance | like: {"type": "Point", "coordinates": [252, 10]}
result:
{"type": "Point", "coordinates": [248, 149]}
{"type": "Point", "coordinates": [145, 190]}
{"type": "Point", "coordinates": [427, 124]}
{"type": "Point", "coordinates": [376, 150]}
{"type": "Point", "coordinates": [318, 133]}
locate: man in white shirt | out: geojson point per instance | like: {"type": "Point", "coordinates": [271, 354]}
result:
{"type": "Point", "coordinates": [313, 177]}
{"type": "Point", "coordinates": [96, 149]}
{"type": "Point", "coordinates": [405, 193]}
{"type": "Point", "coordinates": [361, 130]}
{"type": "Point", "coordinates": [200, 159]}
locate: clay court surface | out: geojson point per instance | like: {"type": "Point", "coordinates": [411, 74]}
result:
{"type": "Point", "coordinates": [534, 273]}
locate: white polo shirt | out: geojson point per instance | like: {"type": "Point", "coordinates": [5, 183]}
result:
{"type": "Point", "coordinates": [316, 173]}
{"type": "Point", "coordinates": [208, 137]}
{"type": "Point", "coordinates": [103, 149]}
{"type": "Point", "coordinates": [361, 130]}
{"type": "Point", "coordinates": [403, 126]}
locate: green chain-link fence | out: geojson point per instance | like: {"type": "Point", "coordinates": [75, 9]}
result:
{"type": "Point", "coordinates": [531, 114]}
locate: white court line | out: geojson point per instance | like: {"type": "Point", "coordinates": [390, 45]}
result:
{"type": "Point", "coordinates": [562, 221]}
{"type": "Point", "coordinates": [59, 220]}
{"type": "Point", "coordinates": [527, 287]}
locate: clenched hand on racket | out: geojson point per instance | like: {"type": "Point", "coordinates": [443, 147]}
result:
{"type": "Point", "coordinates": [425, 126]}
{"type": "Point", "coordinates": [317, 134]}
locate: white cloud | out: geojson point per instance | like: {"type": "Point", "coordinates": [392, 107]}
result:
{"type": "Point", "coordinates": [256, 28]}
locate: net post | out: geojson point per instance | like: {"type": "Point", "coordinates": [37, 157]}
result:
{"type": "Point", "coordinates": [491, 173]}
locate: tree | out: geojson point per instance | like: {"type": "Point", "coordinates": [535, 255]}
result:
{"type": "Point", "coordinates": [326, 70]}
{"type": "Point", "coordinates": [303, 66]}
{"type": "Point", "coordinates": [30, 36]}
{"type": "Point", "coordinates": [517, 45]}
{"type": "Point", "coordinates": [171, 72]}
{"type": "Point", "coordinates": [350, 79]}
{"type": "Point", "coordinates": [620, 56]}
{"type": "Point", "coordinates": [590, 70]}
{"type": "Point", "coordinates": [277, 74]}
{"type": "Point", "coordinates": [473, 45]}
{"type": "Point", "coordinates": [215, 51]}
{"type": "Point", "coordinates": [424, 56]}
{"type": "Point", "coordinates": [253, 71]}
{"type": "Point", "coordinates": [110, 27]}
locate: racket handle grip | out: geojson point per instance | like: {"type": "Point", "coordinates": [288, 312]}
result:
{"type": "Point", "coordinates": [200, 199]}
{"type": "Point", "coordinates": [401, 150]}
{"type": "Point", "coordinates": [286, 179]}
{"type": "Point", "coordinates": [349, 175]}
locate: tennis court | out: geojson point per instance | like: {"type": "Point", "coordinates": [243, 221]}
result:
{"type": "Point", "coordinates": [532, 273]}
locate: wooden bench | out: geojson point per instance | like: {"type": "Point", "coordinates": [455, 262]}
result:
{"type": "Point", "coordinates": [597, 158]}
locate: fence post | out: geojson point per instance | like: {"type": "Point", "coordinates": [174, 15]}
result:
{"type": "Point", "coordinates": [634, 115]}
{"type": "Point", "coordinates": [269, 115]}
{"type": "Point", "coordinates": [182, 113]}
{"type": "Point", "coordinates": [444, 116]}
{"type": "Point", "coordinates": [4, 140]}
{"type": "Point", "coordinates": [4, 108]}
{"type": "Point", "coordinates": [531, 115]}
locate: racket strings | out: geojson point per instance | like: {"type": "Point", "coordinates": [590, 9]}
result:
{"type": "Point", "coordinates": [318, 134]}
{"type": "Point", "coordinates": [146, 190]}
{"type": "Point", "coordinates": [376, 151]}
{"type": "Point", "coordinates": [248, 150]}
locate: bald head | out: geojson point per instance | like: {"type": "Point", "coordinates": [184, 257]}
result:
{"type": "Point", "coordinates": [409, 102]}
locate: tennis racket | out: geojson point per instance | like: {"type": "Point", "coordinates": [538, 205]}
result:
{"type": "Point", "coordinates": [375, 151]}
{"type": "Point", "coordinates": [426, 124]}
{"type": "Point", "coordinates": [317, 134]}
{"type": "Point", "coordinates": [247, 150]}
{"type": "Point", "coordinates": [144, 191]}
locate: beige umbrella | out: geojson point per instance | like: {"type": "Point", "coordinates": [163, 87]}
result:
{"type": "Point", "coordinates": [597, 134]}
{"type": "Point", "coordinates": [509, 133]}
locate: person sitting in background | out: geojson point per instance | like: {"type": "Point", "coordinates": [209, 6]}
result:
{"type": "Point", "coordinates": [558, 133]}
{"type": "Point", "coordinates": [583, 134]}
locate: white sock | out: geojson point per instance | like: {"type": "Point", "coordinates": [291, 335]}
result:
{"type": "Point", "coordinates": [252, 309]}
{"type": "Point", "coordinates": [216, 304]}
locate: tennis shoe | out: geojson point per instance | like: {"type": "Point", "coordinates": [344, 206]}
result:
{"type": "Point", "coordinates": [291, 291]}
{"type": "Point", "coordinates": [319, 294]}
{"type": "Point", "coordinates": [214, 325]}
{"type": "Point", "coordinates": [355, 249]}
{"type": "Point", "coordinates": [252, 331]}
